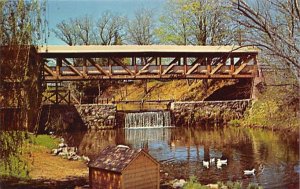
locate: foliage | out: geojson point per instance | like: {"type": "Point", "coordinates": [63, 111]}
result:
{"type": "Point", "coordinates": [233, 185]}
{"type": "Point", "coordinates": [193, 22]}
{"type": "Point", "coordinates": [21, 24]}
{"type": "Point", "coordinates": [192, 183]}
{"type": "Point", "coordinates": [276, 108]}
{"type": "Point", "coordinates": [15, 151]}
{"type": "Point", "coordinates": [12, 147]}
{"type": "Point", "coordinates": [254, 186]}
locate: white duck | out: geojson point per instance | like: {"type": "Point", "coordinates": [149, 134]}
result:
{"type": "Point", "coordinates": [222, 161]}
{"type": "Point", "coordinates": [205, 164]}
{"type": "Point", "coordinates": [249, 172]}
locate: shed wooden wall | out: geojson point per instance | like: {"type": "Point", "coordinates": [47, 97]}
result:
{"type": "Point", "coordinates": [142, 173]}
{"type": "Point", "coordinates": [101, 179]}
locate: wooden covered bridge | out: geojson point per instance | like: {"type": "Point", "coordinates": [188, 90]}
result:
{"type": "Point", "coordinates": [131, 62]}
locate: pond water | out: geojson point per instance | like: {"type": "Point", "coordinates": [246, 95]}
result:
{"type": "Point", "coordinates": [181, 151]}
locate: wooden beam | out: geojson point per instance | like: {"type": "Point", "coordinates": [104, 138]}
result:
{"type": "Point", "coordinates": [143, 69]}
{"type": "Point", "coordinates": [231, 65]}
{"type": "Point", "coordinates": [244, 59]}
{"type": "Point", "coordinates": [123, 66]}
{"type": "Point", "coordinates": [199, 60]}
{"type": "Point", "coordinates": [49, 71]}
{"type": "Point", "coordinates": [84, 68]}
{"type": "Point", "coordinates": [174, 60]}
{"type": "Point", "coordinates": [185, 65]}
{"type": "Point", "coordinates": [216, 68]}
{"type": "Point", "coordinates": [239, 69]}
{"type": "Point", "coordinates": [168, 69]}
{"type": "Point", "coordinates": [190, 71]}
{"type": "Point", "coordinates": [151, 60]}
{"type": "Point", "coordinates": [58, 65]}
{"type": "Point", "coordinates": [72, 67]}
{"type": "Point", "coordinates": [99, 68]}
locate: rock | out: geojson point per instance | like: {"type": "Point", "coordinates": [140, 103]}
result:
{"type": "Point", "coordinates": [111, 117]}
{"type": "Point", "coordinates": [179, 183]}
{"type": "Point", "coordinates": [61, 145]}
{"type": "Point", "coordinates": [54, 151]}
{"type": "Point", "coordinates": [85, 158]}
{"type": "Point", "coordinates": [62, 154]}
{"type": "Point", "coordinates": [166, 174]}
{"type": "Point", "coordinates": [213, 186]}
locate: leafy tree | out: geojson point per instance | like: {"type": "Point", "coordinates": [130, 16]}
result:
{"type": "Point", "coordinates": [196, 22]}
{"type": "Point", "coordinates": [22, 24]}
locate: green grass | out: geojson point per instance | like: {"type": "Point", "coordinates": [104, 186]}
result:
{"type": "Point", "coordinates": [192, 183]}
{"type": "Point", "coordinates": [46, 141]}
{"type": "Point", "coordinates": [16, 146]}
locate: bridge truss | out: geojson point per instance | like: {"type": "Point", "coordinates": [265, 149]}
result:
{"type": "Point", "coordinates": [129, 62]}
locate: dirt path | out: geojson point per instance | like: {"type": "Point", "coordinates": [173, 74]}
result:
{"type": "Point", "coordinates": [48, 167]}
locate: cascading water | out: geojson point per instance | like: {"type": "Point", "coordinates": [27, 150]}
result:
{"type": "Point", "coordinates": [148, 119]}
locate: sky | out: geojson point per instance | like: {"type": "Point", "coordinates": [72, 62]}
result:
{"type": "Point", "coordinates": [59, 10]}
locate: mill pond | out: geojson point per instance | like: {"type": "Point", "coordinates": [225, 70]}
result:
{"type": "Point", "coordinates": [182, 150]}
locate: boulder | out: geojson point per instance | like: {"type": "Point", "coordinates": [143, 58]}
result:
{"type": "Point", "coordinates": [179, 183]}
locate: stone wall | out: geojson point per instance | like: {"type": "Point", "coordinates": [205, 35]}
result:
{"type": "Point", "coordinates": [98, 116]}
{"type": "Point", "coordinates": [193, 112]}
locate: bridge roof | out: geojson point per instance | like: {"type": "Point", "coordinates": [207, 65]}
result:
{"type": "Point", "coordinates": [142, 49]}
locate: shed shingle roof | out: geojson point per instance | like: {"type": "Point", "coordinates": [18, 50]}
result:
{"type": "Point", "coordinates": [114, 158]}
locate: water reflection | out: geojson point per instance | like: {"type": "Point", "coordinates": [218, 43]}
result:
{"type": "Point", "coordinates": [182, 150]}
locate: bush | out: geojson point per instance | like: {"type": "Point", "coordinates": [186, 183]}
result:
{"type": "Point", "coordinates": [276, 108]}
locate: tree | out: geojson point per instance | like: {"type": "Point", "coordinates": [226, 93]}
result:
{"type": "Point", "coordinates": [85, 31]}
{"type": "Point", "coordinates": [66, 32]}
{"type": "Point", "coordinates": [21, 25]}
{"type": "Point", "coordinates": [140, 30]}
{"type": "Point", "coordinates": [273, 26]}
{"type": "Point", "coordinates": [108, 29]}
{"type": "Point", "coordinates": [78, 31]}
{"type": "Point", "coordinates": [196, 22]}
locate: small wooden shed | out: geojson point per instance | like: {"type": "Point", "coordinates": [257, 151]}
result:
{"type": "Point", "coordinates": [120, 167]}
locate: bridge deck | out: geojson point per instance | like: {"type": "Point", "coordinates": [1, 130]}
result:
{"type": "Point", "coordinates": [147, 62]}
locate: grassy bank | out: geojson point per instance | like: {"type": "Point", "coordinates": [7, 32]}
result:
{"type": "Point", "coordinates": [32, 164]}
{"type": "Point", "coordinates": [275, 109]}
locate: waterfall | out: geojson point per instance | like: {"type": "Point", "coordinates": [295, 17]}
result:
{"type": "Point", "coordinates": [148, 119]}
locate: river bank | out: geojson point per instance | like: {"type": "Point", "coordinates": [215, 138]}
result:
{"type": "Point", "coordinates": [180, 151]}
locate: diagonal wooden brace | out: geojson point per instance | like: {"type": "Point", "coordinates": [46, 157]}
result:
{"type": "Point", "coordinates": [72, 67]}
{"type": "Point", "coordinates": [168, 69]}
{"type": "Point", "coordinates": [99, 68]}
{"type": "Point", "coordinates": [239, 69]}
{"type": "Point", "coordinates": [49, 71]}
{"type": "Point", "coordinates": [192, 69]}
{"type": "Point", "coordinates": [123, 66]}
{"type": "Point", "coordinates": [216, 68]}
{"type": "Point", "coordinates": [143, 69]}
